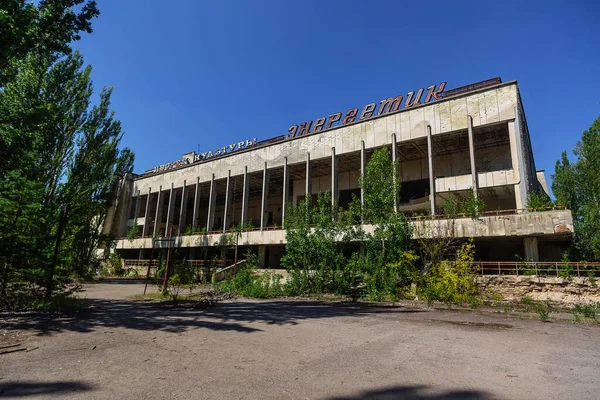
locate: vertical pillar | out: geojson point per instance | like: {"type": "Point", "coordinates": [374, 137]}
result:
{"type": "Point", "coordinates": [228, 202]}
{"type": "Point", "coordinates": [211, 204]}
{"type": "Point", "coordinates": [531, 249]}
{"type": "Point", "coordinates": [158, 216]}
{"type": "Point", "coordinates": [286, 187]}
{"type": "Point", "coordinates": [196, 214]}
{"type": "Point", "coordinates": [183, 210]}
{"type": "Point", "coordinates": [516, 153]}
{"type": "Point", "coordinates": [431, 175]}
{"type": "Point", "coordinates": [136, 210]}
{"type": "Point", "coordinates": [363, 172]}
{"type": "Point", "coordinates": [147, 214]}
{"type": "Point", "coordinates": [308, 188]}
{"type": "Point", "coordinates": [265, 197]}
{"type": "Point", "coordinates": [170, 211]}
{"type": "Point", "coordinates": [334, 181]}
{"type": "Point", "coordinates": [245, 196]}
{"type": "Point", "coordinates": [474, 184]}
{"type": "Point", "coordinates": [395, 172]}
{"type": "Point", "coordinates": [262, 256]}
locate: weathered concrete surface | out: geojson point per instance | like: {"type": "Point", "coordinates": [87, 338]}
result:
{"type": "Point", "coordinates": [490, 105]}
{"type": "Point", "coordinates": [297, 350]}
{"type": "Point", "coordinates": [526, 224]}
{"type": "Point", "coordinates": [565, 291]}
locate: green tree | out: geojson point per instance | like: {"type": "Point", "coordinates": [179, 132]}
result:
{"type": "Point", "coordinates": [577, 187]}
{"type": "Point", "coordinates": [380, 186]}
{"type": "Point", "coordinates": [61, 163]}
{"type": "Point", "coordinates": [45, 28]}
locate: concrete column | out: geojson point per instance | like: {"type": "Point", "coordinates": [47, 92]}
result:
{"type": "Point", "coordinates": [212, 199]}
{"type": "Point", "coordinates": [158, 215]}
{"type": "Point", "coordinates": [308, 188]}
{"type": "Point", "coordinates": [183, 209]}
{"type": "Point", "coordinates": [170, 211]}
{"type": "Point", "coordinates": [245, 194]}
{"type": "Point", "coordinates": [431, 175]}
{"type": "Point", "coordinates": [265, 198]}
{"type": "Point", "coordinates": [395, 176]}
{"type": "Point", "coordinates": [516, 155]}
{"type": "Point", "coordinates": [363, 170]}
{"type": "Point", "coordinates": [531, 248]}
{"type": "Point", "coordinates": [286, 186]}
{"type": "Point", "coordinates": [334, 181]}
{"type": "Point", "coordinates": [136, 210]}
{"type": "Point", "coordinates": [227, 218]}
{"type": "Point", "coordinates": [196, 214]}
{"type": "Point", "coordinates": [262, 257]}
{"type": "Point", "coordinates": [474, 184]}
{"type": "Point", "coordinates": [147, 215]}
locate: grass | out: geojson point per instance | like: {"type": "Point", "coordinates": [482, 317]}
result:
{"type": "Point", "coordinates": [163, 297]}
{"type": "Point", "coordinates": [585, 312]}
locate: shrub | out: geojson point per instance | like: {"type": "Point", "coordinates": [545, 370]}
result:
{"type": "Point", "coordinates": [473, 206]}
{"type": "Point", "coordinates": [538, 200]}
{"type": "Point", "coordinates": [453, 282]}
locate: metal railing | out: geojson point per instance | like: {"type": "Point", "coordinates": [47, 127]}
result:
{"type": "Point", "coordinates": [144, 263]}
{"type": "Point", "coordinates": [528, 268]}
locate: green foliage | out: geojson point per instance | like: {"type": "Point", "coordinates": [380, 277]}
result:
{"type": "Point", "coordinates": [44, 27]}
{"type": "Point", "coordinates": [592, 279]}
{"type": "Point", "coordinates": [61, 160]}
{"type": "Point", "coordinates": [318, 235]}
{"type": "Point", "coordinates": [176, 287]}
{"type": "Point", "coordinates": [543, 311]}
{"type": "Point", "coordinates": [250, 284]}
{"type": "Point", "coordinates": [585, 311]}
{"type": "Point", "coordinates": [577, 187]}
{"type": "Point", "coordinates": [528, 301]}
{"type": "Point", "coordinates": [452, 206]}
{"type": "Point", "coordinates": [114, 265]}
{"type": "Point", "coordinates": [538, 200]}
{"type": "Point", "coordinates": [133, 231]}
{"type": "Point", "coordinates": [380, 186]}
{"type": "Point", "coordinates": [453, 282]}
{"type": "Point", "coordinates": [472, 206]}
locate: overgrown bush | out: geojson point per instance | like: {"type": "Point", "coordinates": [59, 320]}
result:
{"type": "Point", "coordinates": [538, 200]}
{"type": "Point", "coordinates": [473, 206]}
{"type": "Point", "coordinates": [250, 284]}
{"type": "Point", "coordinates": [453, 282]}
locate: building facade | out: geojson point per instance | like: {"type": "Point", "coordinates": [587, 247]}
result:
{"type": "Point", "coordinates": [473, 138]}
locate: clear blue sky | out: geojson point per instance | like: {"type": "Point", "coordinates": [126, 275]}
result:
{"type": "Point", "coordinates": [192, 73]}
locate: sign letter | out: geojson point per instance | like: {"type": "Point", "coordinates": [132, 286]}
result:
{"type": "Point", "coordinates": [350, 116]}
{"type": "Point", "coordinates": [389, 105]}
{"type": "Point", "coordinates": [319, 124]}
{"type": "Point", "coordinates": [333, 118]}
{"type": "Point", "coordinates": [367, 112]}
{"type": "Point", "coordinates": [417, 99]}
{"type": "Point", "coordinates": [435, 94]}
{"type": "Point", "coordinates": [292, 131]}
{"type": "Point", "coordinates": [305, 128]}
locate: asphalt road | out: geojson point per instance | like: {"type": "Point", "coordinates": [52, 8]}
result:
{"type": "Point", "coordinates": [246, 349]}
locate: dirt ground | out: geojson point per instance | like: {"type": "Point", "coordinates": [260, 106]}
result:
{"type": "Point", "coordinates": [294, 349]}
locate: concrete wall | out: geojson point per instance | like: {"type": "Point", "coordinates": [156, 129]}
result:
{"type": "Point", "coordinates": [526, 224]}
{"type": "Point", "coordinates": [486, 107]}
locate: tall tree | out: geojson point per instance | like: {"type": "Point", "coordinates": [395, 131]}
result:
{"type": "Point", "coordinates": [61, 160]}
{"type": "Point", "coordinates": [46, 27]}
{"type": "Point", "coordinates": [577, 186]}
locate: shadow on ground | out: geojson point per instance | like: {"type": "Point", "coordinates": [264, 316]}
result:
{"type": "Point", "coordinates": [229, 316]}
{"type": "Point", "coordinates": [16, 389]}
{"type": "Point", "coordinates": [416, 392]}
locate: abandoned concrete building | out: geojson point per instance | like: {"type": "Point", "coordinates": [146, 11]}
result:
{"type": "Point", "coordinates": [469, 138]}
